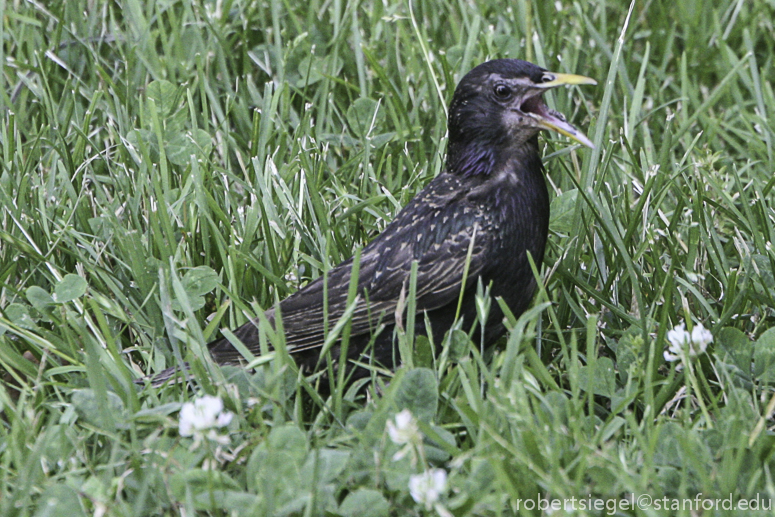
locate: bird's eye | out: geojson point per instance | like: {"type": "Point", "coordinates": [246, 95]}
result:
{"type": "Point", "coordinates": [547, 78]}
{"type": "Point", "coordinates": [502, 91]}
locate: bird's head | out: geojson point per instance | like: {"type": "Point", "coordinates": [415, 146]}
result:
{"type": "Point", "coordinates": [498, 109]}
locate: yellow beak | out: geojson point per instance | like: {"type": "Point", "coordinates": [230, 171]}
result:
{"type": "Point", "coordinates": [563, 79]}
{"type": "Point", "coordinates": [557, 122]}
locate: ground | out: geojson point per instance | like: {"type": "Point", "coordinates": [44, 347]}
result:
{"type": "Point", "coordinates": [170, 169]}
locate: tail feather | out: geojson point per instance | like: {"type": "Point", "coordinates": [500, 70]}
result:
{"type": "Point", "coordinates": [172, 375]}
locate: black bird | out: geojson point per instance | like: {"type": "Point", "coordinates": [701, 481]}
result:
{"type": "Point", "coordinates": [492, 192]}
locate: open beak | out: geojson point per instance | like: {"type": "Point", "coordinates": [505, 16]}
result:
{"type": "Point", "coordinates": [563, 79]}
{"type": "Point", "coordinates": [550, 119]}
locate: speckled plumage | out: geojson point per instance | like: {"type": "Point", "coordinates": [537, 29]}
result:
{"type": "Point", "coordinates": [492, 190]}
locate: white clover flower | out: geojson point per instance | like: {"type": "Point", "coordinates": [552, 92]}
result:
{"type": "Point", "coordinates": [701, 338]}
{"type": "Point", "coordinates": [681, 342]}
{"type": "Point", "coordinates": [202, 417]}
{"type": "Point", "coordinates": [404, 431]}
{"type": "Point", "coordinates": [677, 338]}
{"type": "Point", "coordinates": [426, 488]}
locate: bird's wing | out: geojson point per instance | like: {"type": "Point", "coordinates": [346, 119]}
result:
{"type": "Point", "coordinates": [435, 229]}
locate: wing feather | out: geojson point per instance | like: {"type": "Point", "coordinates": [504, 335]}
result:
{"type": "Point", "coordinates": [435, 229]}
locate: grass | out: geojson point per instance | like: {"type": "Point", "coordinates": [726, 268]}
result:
{"type": "Point", "coordinates": [169, 169]}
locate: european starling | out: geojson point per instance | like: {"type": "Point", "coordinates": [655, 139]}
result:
{"type": "Point", "coordinates": [489, 207]}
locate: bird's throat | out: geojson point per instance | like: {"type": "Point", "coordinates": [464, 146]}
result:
{"type": "Point", "coordinates": [485, 157]}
